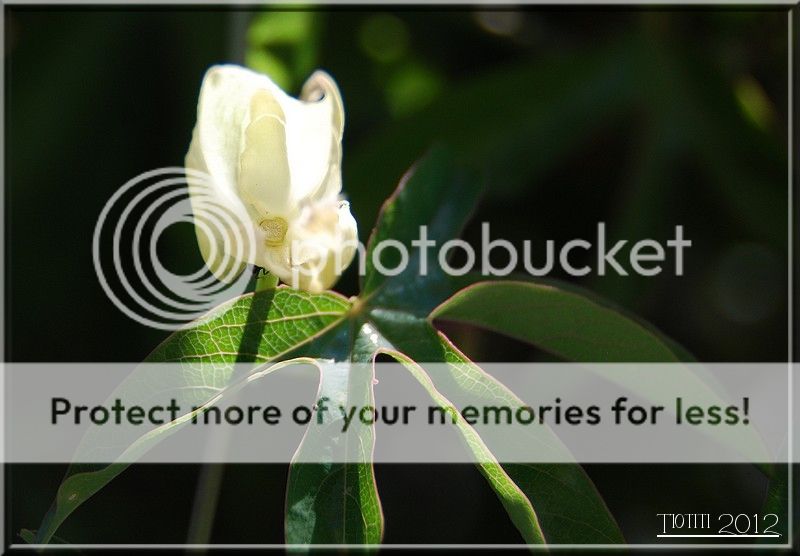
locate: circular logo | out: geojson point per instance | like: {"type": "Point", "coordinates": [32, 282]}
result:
{"type": "Point", "coordinates": [125, 247]}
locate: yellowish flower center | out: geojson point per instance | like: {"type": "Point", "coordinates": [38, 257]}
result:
{"type": "Point", "coordinates": [275, 229]}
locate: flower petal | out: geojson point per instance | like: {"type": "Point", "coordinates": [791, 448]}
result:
{"type": "Point", "coordinates": [314, 127]}
{"type": "Point", "coordinates": [222, 225]}
{"type": "Point", "coordinates": [274, 166]}
{"type": "Point", "coordinates": [264, 178]}
{"type": "Point", "coordinates": [319, 246]}
{"type": "Point", "coordinates": [321, 87]}
{"type": "Point", "coordinates": [223, 113]}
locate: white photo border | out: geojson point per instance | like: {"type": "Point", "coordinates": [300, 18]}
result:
{"type": "Point", "coordinates": [791, 10]}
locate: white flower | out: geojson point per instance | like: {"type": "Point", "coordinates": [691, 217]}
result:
{"type": "Point", "coordinates": [273, 165]}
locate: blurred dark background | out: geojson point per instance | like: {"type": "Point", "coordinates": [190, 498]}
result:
{"type": "Point", "coordinates": [643, 119]}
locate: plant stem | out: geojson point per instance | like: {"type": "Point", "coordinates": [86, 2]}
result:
{"type": "Point", "coordinates": [265, 281]}
{"type": "Point", "coordinates": [204, 508]}
{"type": "Point", "coordinates": [209, 482]}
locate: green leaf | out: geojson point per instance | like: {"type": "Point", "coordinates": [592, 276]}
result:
{"type": "Point", "coordinates": [559, 321]}
{"type": "Point", "coordinates": [328, 502]}
{"type": "Point", "coordinates": [333, 502]}
{"type": "Point", "coordinates": [397, 307]}
{"type": "Point", "coordinates": [438, 193]}
{"type": "Point", "coordinates": [28, 536]}
{"type": "Point", "coordinates": [255, 328]}
{"type": "Point", "coordinates": [515, 502]}
{"type": "Point", "coordinates": [578, 328]}
{"type": "Point", "coordinates": [566, 502]}
{"type": "Point", "coordinates": [259, 327]}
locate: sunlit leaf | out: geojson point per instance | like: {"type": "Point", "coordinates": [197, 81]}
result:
{"type": "Point", "coordinates": [568, 507]}
{"type": "Point", "coordinates": [559, 321]}
{"type": "Point", "coordinates": [251, 329]}
{"type": "Point", "coordinates": [513, 499]}
{"type": "Point", "coordinates": [336, 502]}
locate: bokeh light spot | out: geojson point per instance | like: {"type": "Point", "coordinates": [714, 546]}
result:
{"type": "Point", "coordinates": [754, 102]}
{"type": "Point", "coordinates": [411, 88]}
{"type": "Point", "coordinates": [384, 38]}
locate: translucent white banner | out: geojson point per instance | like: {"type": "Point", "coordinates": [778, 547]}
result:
{"type": "Point", "coordinates": [427, 413]}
